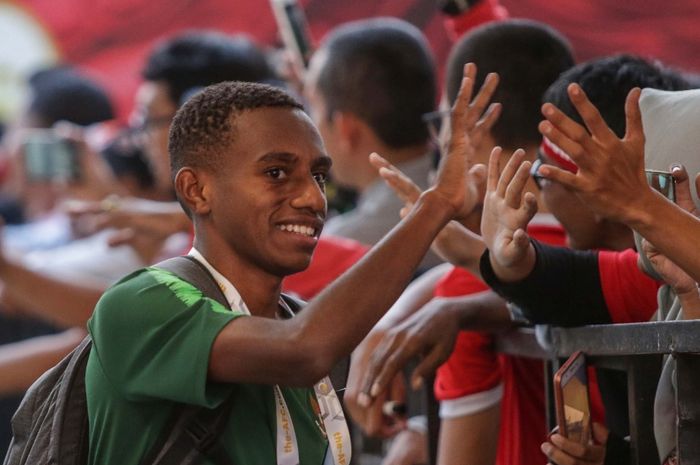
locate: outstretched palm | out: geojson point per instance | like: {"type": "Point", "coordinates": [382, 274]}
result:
{"type": "Point", "coordinates": [471, 119]}
{"type": "Point", "coordinates": [507, 209]}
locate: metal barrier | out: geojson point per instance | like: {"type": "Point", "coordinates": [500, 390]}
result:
{"type": "Point", "coordinates": [637, 349]}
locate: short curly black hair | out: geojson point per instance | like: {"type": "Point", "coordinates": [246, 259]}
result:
{"type": "Point", "coordinates": [206, 122]}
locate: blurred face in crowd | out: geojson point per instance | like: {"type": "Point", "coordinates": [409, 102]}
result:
{"type": "Point", "coordinates": [583, 228]}
{"type": "Point", "coordinates": [153, 114]}
{"type": "Point", "coordinates": [343, 162]}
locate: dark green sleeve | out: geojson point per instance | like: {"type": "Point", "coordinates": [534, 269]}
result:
{"type": "Point", "coordinates": [153, 334]}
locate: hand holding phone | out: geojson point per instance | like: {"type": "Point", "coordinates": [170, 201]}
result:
{"type": "Point", "coordinates": [572, 401]}
{"type": "Point", "coordinates": [663, 182]}
{"type": "Point", "coordinates": [560, 450]}
{"type": "Point", "coordinates": [48, 157]}
{"type": "Point", "coordinates": [294, 30]}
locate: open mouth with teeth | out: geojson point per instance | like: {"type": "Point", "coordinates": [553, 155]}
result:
{"type": "Point", "coordinates": [298, 229]}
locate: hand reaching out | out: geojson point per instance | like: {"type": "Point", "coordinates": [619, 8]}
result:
{"type": "Point", "coordinates": [470, 120]}
{"type": "Point", "coordinates": [610, 177]}
{"type": "Point", "coordinates": [685, 287]}
{"type": "Point", "coordinates": [142, 224]}
{"type": "Point", "coordinates": [507, 211]}
{"type": "Point", "coordinates": [430, 332]}
{"type": "Point", "coordinates": [408, 191]}
{"type": "Point", "coordinates": [481, 113]}
{"type": "Point", "coordinates": [372, 418]}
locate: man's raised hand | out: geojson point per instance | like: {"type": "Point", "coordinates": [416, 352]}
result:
{"type": "Point", "coordinates": [610, 177]}
{"type": "Point", "coordinates": [507, 211]}
{"type": "Point", "coordinates": [408, 191]}
{"type": "Point", "coordinates": [451, 183]}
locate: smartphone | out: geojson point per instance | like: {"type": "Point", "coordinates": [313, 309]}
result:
{"type": "Point", "coordinates": [663, 182]}
{"type": "Point", "coordinates": [48, 157]}
{"type": "Point", "coordinates": [572, 401]}
{"type": "Point", "coordinates": [294, 30]}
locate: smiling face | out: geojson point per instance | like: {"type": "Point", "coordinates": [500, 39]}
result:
{"type": "Point", "coordinates": [267, 201]}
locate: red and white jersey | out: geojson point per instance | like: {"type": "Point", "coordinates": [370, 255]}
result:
{"type": "Point", "coordinates": [475, 377]}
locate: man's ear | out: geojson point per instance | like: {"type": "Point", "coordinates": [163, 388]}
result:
{"type": "Point", "coordinates": [192, 190]}
{"type": "Point", "coordinates": [349, 129]}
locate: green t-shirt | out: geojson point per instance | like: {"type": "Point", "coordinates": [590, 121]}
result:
{"type": "Point", "coordinates": [152, 334]}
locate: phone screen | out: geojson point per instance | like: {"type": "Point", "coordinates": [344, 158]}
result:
{"type": "Point", "coordinates": [663, 182]}
{"type": "Point", "coordinates": [293, 28]}
{"type": "Point", "coordinates": [574, 398]}
{"type": "Point", "coordinates": [50, 158]}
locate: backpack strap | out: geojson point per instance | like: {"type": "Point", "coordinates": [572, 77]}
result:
{"type": "Point", "coordinates": [193, 436]}
{"type": "Point", "coordinates": [70, 429]}
{"type": "Point", "coordinates": [194, 431]}
{"type": "Point", "coordinates": [195, 273]}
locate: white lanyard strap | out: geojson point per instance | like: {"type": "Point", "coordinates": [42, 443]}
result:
{"type": "Point", "coordinates": [287, 447]}
{"type": "Point", "coordinates": [334, 422]}
{"type": "Point", "coordinates": [332, 416]}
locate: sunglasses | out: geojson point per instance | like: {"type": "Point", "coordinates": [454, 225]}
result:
{"type": "Point", "coordinates": [535, 170]}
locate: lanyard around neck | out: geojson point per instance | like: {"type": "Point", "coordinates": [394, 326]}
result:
{"type": "Point", "coordinates": [332, 416]}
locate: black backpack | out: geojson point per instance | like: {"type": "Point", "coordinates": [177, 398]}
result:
{"type": "Point", "coordinates": [50, 426]}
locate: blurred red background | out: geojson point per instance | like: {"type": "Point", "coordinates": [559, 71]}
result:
{"type": "Point", "coordinates": [110, 38]}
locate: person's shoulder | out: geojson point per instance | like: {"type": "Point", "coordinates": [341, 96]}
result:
{"type": "Point", "coordinates": [147, 298]}
{"type": "Point", "coordinates": [150, 286]}
{"type": "Point", "coordinates": [125, 287]}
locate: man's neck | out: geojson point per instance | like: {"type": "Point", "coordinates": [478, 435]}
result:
{"type": "Point", "coordinates": [259, 290]}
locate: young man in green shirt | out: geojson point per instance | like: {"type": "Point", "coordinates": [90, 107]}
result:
{"type": "Point", "coordinates": [249, 169]}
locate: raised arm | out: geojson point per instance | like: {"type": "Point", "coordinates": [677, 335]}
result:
{"type": "Point", "coordinates": [455, 243]}
{"type": "Point", "coordinates": [303, 349]}
{"type": "Point", "coordinates": [522, 270]}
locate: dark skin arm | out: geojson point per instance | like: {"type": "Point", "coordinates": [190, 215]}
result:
{"type": "Point", "coordinates": [301, 350]}
{"type": "Point", "coordinates": [372, 420]}
{"type": "Point", "coordinates": [21, 363]}
{"type": "Point", "coordinates": [431, 333]}
{"type": "Point", "coordinates": [60, 302]}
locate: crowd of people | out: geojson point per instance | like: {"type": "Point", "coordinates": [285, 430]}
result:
{"type": "Point", "coordinates": [521, 199]}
